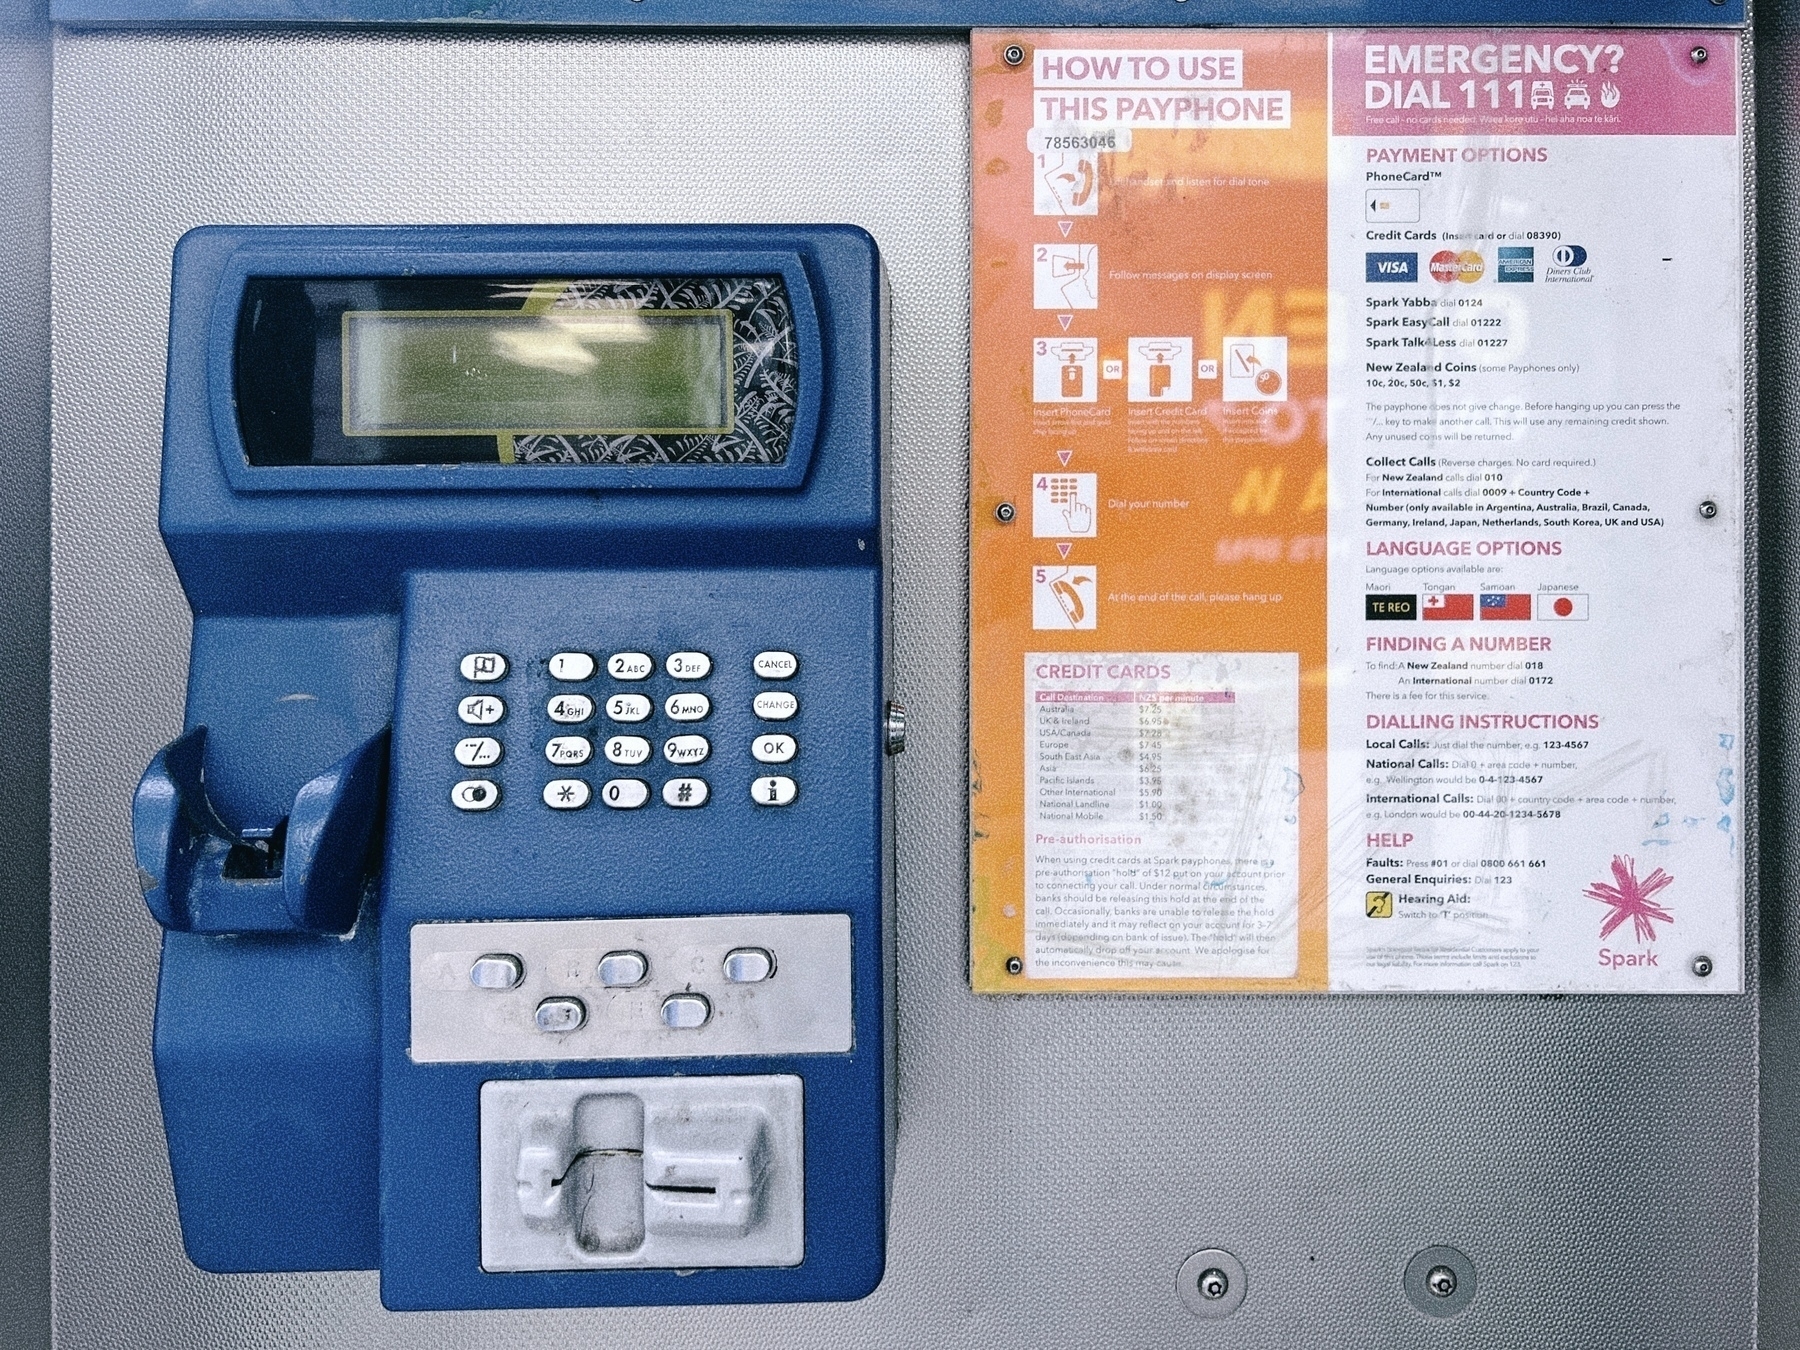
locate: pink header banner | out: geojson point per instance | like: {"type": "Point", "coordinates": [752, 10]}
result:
{"type": "Point", "coordinates": [1534, 82]}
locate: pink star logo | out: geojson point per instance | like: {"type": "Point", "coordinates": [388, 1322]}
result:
{"type": "Point", "coordinates": [1630, 899]}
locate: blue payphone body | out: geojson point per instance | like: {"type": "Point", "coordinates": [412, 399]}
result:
{"type": "Point", "coordinates": [524, 865]}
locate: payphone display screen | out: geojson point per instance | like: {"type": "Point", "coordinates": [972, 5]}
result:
{"type": "Point", "coordinates": [523, 371]}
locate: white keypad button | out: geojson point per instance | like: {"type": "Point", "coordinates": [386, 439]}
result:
{"type": "Point", "coordinates": [624, 794]}
{"type": "Point", "coordinates": [627, 749]}
{"type": "Point", "coordinates": [497, 970]}
{"type": "Point", "coordinates": [628, 707]}
{"type": "Point", "coordinates": [684, 1012]}
{"type": "Point", "coordinates": [686, 707]}
{"type": "Point", "coordinates": [561, 1014]}
{"type": "Point", "coordinates": [775, 665]}
{"type": "Point", "coordinates": [684, 792]}
{"type": "Point", "coordinates": [484, 666]}
{"type": "Point", "coordinates": [571, 666]}
{"type": "Point", "coordinates": [568, 750]}
{"type": "Point", "coordinates": [688, 665]}
{"type": "Point", "coordinates": [629, 666]}
{"type": "Point", "coordinates": [621, 970]}
{"type": "Point", "coordinates": [748, 965]}
{"type": "Point", "coordinates": [477, 752]}
{"type": "Point", "coordinates": [481, 710]}
{"type": "Point", "coordinates": [567, 794]}
{"type": "Point", "coordinates": [775, 705]}
{"type": "Point", "coordinates": [475, 794]}
{"type": "Point", "coordinates": [774, 749]}
{"type": "Point", "coordinates": [774, 790]}
{"type": "Point", "coordinates": [570, 708]}
{"type": "Point", "coordinates": [686, 749]}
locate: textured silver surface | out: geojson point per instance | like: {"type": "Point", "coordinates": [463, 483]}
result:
{"type": "Point", "coordinates": [804, 1009]}
{"type": "Point", "coordinates": [1057, 1158]}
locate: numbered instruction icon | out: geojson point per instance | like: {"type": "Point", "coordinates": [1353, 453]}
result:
{"type": "Point", "coordinates": [1064, 597]}
{"type": "Point", "coordinates": [1065, 370]}
{"type": "Point", "coordinates": [1065, 276]}
{"type": "Point", "coordinates": [1255, 370]}
{"type": "Point", "coordinates": [1066, 184]}
{"type": "Point", "coordinates": [1161, 370]}
{"type": "Point", "coordinates": [1063, 505]}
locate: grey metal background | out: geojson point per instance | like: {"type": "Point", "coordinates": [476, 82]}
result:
{"type": "Point", "coordinates": [1057, 1157]}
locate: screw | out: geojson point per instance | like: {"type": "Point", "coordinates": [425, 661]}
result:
{"type": "Point", "coordinates": [1701, 966]}
{"type": "Point", "coordinates": [1014, 55]}
{"type": "Point", "coordinates": [1213, 1283]}
{"type": "Point", "coordinates": [1004, 513]}
{"type": "Point", "coordinates": [1708, 508]}
{"type": "Point", "coordinates": [1698, 56]}
{"type": "Point", "coordinates": [1441, 1281]}
{"type": "Point", "coordinates": [1014, 965]}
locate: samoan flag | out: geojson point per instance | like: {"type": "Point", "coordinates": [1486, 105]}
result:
{"type": "Point", "coordinates": [1506, 604]}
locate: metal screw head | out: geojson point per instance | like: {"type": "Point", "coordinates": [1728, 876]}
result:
{"type": "Point", "coordinates": [1014, 965]}
{"type": "Point", "coordinates": [1005, 513]}
{"type": "Point", "coordinates": [1698, 56]}
{"type": "Point", "coordinates": [1014, 55]}
{"type": "Point", "coordinates": [1701, 966]}
{"type": "Point", "coordinates": [1441, 1281]}
{"type": "Point", "coordinates": [1708, 509]}
{"type": "Point", "coordinates": [1213, 1283]}
{"type": "Point", "coordinates": [894, 731]}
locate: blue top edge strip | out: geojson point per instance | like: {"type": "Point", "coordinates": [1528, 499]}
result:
{"type": "Point", "coordinates": [931, 15]}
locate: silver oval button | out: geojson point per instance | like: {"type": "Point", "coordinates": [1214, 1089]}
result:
{"type": "Point", "coordinates": [629, 666]}
{"type": "Point", "coordinates": [561, 1014]}
{"type": "Point", "coordinates": [568, 750]}
{"type": "Point", "coordinates": [621, 970]}
{"type": "Point", "coordinates": [774, 790]}
{"type": "Point", "coordinates": [477, 752]}
{"type": "Point", "coordinates": [684, 1012]}
{"type": "Point", "coordinates": [686, 749]}
{"type": "Point", "coordinates": [571, 666]}
{"type": "Point", "coordinates": [628, 708]}
{"type": "Point", "coordinates": [483, 666]}
{"type": "Point", "coordinates": [475, 794]}
{"type": "Point", "coordinates": [775, 665]}
{"type": "Point", "coordinates": [748, 965]}
{"type": "Point", "coordinates": [685, 792]}
{"type": "Point", "coordinates": [688, 665]}
{"type": "Point", "coordinates": [774, 749]}
{"type": "Point", "coordinates": [627, 749]}
{"type": "Point", "coordinates": [625, 794]}
{"type": "Point", "coordinates": [570, 708]}
{"type": "Point", "coordinates": [497, 970]}
{"type": "Point", "coordinates": [567, 794]}
{"type": "Point", "coordinates": [686, 707]}
{"type": "Point", "coordinates": [775, 705]}
{"type": "Point", "coordinates": [481, 710]}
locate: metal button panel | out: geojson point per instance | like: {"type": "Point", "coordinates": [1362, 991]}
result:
{"type": "Point", "coordinates": [496, 970]}
{"type": "Point", "coordinates": [720, 984]}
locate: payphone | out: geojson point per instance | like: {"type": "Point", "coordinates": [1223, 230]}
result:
{"type": "Point", "coordinates": [524, 865]}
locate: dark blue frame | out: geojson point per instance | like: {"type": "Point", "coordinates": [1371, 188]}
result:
{"type": "Point", "coordinates": [318, 254]}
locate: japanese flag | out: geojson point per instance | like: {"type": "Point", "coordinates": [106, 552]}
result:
{"type": "Point", "coordinates": [1562, 607]}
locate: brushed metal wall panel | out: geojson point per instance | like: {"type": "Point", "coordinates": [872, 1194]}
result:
{"type": "Point", "coordinates": [1057, 1157]}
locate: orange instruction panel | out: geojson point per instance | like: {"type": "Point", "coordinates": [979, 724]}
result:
{"type": "Point", "coordinates": [1149, 410]}
{"type": "Point", "coordinates": [1358, 511]}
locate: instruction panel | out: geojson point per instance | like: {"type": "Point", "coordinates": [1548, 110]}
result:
{"type": "Point", "coordinates": [1358, 511]}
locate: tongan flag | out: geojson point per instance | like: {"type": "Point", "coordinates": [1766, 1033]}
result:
{"type": "Point", "coordinates": [1449, 607]}
{"type": "Point", "coordinates": [1506, 604]}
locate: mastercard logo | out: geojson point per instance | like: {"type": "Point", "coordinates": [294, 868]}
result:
{"type": "Point", "coordinates": [1448, 265]}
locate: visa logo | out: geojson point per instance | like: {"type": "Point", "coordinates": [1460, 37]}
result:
{"type": "Point", "coordinates": [1393, 267]}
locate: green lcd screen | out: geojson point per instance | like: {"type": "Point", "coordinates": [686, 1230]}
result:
{"type": "Point", "coordinates": [483, 372]}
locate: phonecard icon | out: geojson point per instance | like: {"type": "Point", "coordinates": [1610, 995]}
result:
{"type": "Point", "coordinates": [1065, 370]}
{"type": "Point", "coordinates": [1065, 276]}
{"type": "Point", "coordinates": [1064, 597]}
{"type": "Point", "coordinates": [1255, 370]}
{"type": "Point", "coordinates": [1066, 184]}
{"type": "Point", "coordinates": [1160, 370]}
{"type": "Point", "coordinates": [1063, 506]}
